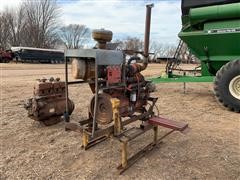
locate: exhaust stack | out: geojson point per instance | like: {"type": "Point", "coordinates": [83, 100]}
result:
{"type": "Point", "coordinates": [147, 36]}
{"type": "Point", "coordinates": [147, 28]}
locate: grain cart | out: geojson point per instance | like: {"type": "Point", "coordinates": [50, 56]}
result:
{"type": "Point", "coordinates": [211, 30]}
{"type": "Point", "coordinates": [122, 103]}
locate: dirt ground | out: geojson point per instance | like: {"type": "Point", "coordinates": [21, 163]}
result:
{"type": "Point", "coordinates": [211, 150]}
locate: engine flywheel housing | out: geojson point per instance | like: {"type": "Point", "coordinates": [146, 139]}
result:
{"type": "Point", "coordinates": [104, 109]}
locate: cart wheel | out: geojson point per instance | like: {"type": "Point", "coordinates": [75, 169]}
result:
{"type": "Point", "coordinates": [227, 85]}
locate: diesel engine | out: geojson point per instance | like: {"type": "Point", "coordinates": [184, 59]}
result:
{"type": "Point", "coordinates": [123, 80]}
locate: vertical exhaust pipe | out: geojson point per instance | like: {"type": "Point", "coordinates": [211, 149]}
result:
{"type": "Point", "coordinates": [147, 35]}
{"type": "Point", "coordinates": [147, 28]}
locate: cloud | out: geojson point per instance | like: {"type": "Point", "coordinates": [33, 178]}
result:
{"type": "Point", "coordinates": [9, 4]}
{"type": "Point", "coordinates": [126, 17]}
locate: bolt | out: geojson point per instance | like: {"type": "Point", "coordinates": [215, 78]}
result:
{"type": "Point", "coordinates": [43, 79]}
{"type": "Point", "coordinates": [51, 79]}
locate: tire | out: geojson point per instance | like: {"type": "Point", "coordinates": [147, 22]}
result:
{"type": "Point", "coordinates": [227, 85]}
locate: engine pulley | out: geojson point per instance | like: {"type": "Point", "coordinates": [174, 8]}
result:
{"type": "Point", "coordinates": [104, 109]}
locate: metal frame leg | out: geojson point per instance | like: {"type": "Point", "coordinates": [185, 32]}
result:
{"type": "Point", "coordinates": [116, 116]}
{"type": "Point", "coordinates": [124, 161]}
{"type": "Point", "coordinates": [155, 135]}
{"type": "Point", "coordinates": [85, 139]}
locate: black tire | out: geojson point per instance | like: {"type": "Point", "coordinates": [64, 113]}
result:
{"type": "Point", "coordinates": [223, 78]}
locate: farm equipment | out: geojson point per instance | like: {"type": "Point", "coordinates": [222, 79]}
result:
{"type": "Point", "coordinates": [39, 55]}
{"type": "Point", "coordinates": [211, 30]}
{"type": "Point", "coordinates": [122, 96]}
{"type": "Point", "coordinates": [48, 102]}
{"type": "Point", "coordinates": [5, 56]}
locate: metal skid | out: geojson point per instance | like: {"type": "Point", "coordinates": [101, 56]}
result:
{"type": "Point", "coordinates": [115, 129]}
{"type": "Point", "coordinates": [124, 136]}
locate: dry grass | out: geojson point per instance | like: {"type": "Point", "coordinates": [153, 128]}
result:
{"type": "Point", "coordinates": [31, 151]}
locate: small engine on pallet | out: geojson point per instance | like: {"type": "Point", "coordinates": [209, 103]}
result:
{"type": "Point", "coordinates": [48, 103]}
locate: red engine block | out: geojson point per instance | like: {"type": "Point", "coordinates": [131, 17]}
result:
{"type": "Point", "coordinates": [113, 74]}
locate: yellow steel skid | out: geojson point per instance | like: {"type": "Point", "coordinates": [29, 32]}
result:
{"type": "Point", "coordinates": [116, 116]}
{"type": "Point", "coordinates": [116, 129]}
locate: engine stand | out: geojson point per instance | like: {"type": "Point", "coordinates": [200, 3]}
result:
{"type": "Point", "coordinates": [150, 122]}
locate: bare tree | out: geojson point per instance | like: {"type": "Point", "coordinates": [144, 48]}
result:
{"type": "Point", "coordinates": [133, 43]}
{"type": "Point", "coordinates": [157, 49]}
{"type": "Point", "coordinates": [41, 23]}
{"type": "Point", "coordinates": [33, 23]}
{"type": "Point", "coordinates": [16, 22]}
{"type": "Point", "coordinates": [120, 44]}
{"type": "Point", "coordinates": [74, 36]}
{"type": "Point", "coordinates": [169, 50]}
{"type": "Point", "coordinates": [4, 30]}
{"type": "Point", "coordinates": [130, 45]}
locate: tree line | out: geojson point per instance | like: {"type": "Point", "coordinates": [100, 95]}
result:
{"type": "Point", "coordinates": [37, 24]}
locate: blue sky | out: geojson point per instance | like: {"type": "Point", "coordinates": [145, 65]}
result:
{"type": "Point", "coordinates": [124, 18]}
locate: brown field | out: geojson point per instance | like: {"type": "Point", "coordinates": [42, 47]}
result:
{"type": "Point", "coordinates": [211, 150]}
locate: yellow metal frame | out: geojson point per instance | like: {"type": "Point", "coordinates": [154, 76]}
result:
{"type": "Point", "coordinates": [117, 127]}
